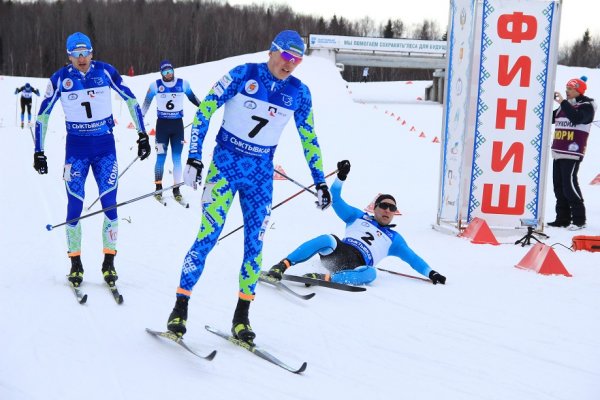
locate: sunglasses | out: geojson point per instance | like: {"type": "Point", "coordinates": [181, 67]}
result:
{"type": "Point", "coordinates": [166, 72]}
{"type": "Point", "coordinates": [388, 206]}
{"type": "Point", "coordinates": [287, 56]}
{"type": "Point", "coordinates": [77, 53]}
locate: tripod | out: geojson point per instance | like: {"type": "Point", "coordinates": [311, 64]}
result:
{"type": "Point", "coordinates": [526, 240]}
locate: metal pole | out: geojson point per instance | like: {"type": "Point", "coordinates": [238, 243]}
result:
{"type": "Point", "coordinates": [279, 204]}
{"type": "Point", "coordinates": [119, 177]}
{"type": "Point", "coordinates": [298, 184]}
{"type": "Point", "coordinates": [50, 227]}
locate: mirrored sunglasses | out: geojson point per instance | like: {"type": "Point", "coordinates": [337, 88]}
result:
{"type": "Point", "coordinates": [166, 72]}
{"type": "Point", "coordinates": [388, 206]}
{"type": "Point", "coordinates": [287, 56]}
{"type": "Point", "coordinates": [80, 52]}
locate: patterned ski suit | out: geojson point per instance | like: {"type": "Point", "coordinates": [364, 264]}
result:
{"type": "Point", "coordinates": [257, 108]}
{"type": "Point", "coordinates": [86, 102]}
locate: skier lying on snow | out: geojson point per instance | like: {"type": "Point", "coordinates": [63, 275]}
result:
{"type": "Point", "coordinates": [368, 239]}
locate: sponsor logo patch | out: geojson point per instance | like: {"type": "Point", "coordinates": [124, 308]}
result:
{"type": "Point", "coordinates": [251, 86]}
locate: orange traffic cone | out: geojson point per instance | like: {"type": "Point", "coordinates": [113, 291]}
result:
{"type": "Point", "coordinates": [479, 232]}
{"type": "Point", "coordinates": [543, 260]}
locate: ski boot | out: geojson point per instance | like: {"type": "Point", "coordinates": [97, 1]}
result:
{"type": "Point", "coordinates": [177, 194]}
{"type": "Point", "coordinates": [108, 269]}
{"type": "Point", "coordinates": [277, 270]}
{"type": "Point", "coordinates": [178, 317]}
{"type": "Point", "coordinates": [22, 124]}
{"type": "Point", "coordinates": [315, 275]}
{"type": "Point", "coordinates": [241, 328]}
{"type": "Point", "coordinates": [76, 274]}
{"type": "Point", "coordinates": [158, 196]}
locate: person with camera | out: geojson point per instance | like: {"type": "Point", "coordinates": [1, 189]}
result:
{"type": "Point", "coordinates": [367, 240]}
{"type": "Point", "coordinates": [573, 122]}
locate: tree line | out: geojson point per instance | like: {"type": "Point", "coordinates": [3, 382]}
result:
{"type": "Point", "coordinates": [141, 33]}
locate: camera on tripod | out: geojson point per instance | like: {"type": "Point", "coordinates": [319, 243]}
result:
{"type": "Point", "coordinates": [531, 224]}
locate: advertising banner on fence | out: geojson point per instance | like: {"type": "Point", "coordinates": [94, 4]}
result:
{"type": "Point", "coordinates": [376, 44]}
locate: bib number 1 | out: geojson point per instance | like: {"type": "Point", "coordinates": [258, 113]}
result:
{"type": "Point", "coordinates": [88, 108]}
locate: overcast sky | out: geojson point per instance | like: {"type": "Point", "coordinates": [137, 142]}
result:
{"type": "Point", "coordinates": [577, 15]}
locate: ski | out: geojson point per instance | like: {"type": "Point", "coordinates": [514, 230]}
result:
{"type": "Point", "coordinates": [319, 282]}
{"type": "Point", "coordinates": [254, 349]}
{"type": "Point", "coordinates": [81, 297]}
{"type": "Point", "coordinates": [161, 200]}
{"type": "Point", "coordinates": [182, 202]}
{"type": "Point", "coordinates": [115, 292]}
{"type": "Point", "coordinates": [179, 340]}
{"type": "Point", "coordinates": [277, 284]}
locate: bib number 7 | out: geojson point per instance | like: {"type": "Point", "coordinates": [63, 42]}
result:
{"type": "Point", "coordinates": [261, 123]}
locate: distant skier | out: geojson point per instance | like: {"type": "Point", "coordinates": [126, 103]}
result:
{"type": "Point", "coordinates": [83, 88]}
{"type": "Point", "coordinates": [368, 239]}
{"type": "Point", "coordinates": [27, 92]}
{"type": "Point", "coordinates": [259, 101]}
{"type": "Point", "coordinates": [169, 94]}
{"type": "Point", "coordinates": [365, 75]}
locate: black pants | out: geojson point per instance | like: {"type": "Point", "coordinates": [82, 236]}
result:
{"type": "Point", "coordinates": [343, 257]}
{"type": "Point", "coordinates": [569, 200]}
{"type": "Point", "coordinates": [26, 104]}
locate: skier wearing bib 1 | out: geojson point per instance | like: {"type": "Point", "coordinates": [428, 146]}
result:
{"type": "Point", "coordinates": [259, 100]}
{"type": "Point", "coordinates": [169, 94]}
{"type": "Point", "coordinates": [83, 88]}
{"type": "Point", "coordinates": [27, 91]}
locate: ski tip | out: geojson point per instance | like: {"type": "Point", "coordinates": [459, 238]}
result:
{"type": "Point", "coordinates": [83, 299]}
{"type": "Point", "coordinates": [302, 368]}
{"type": "Point", "coordinates": [309, 296]}
{"type": "Point", "coordinates": [211, 355]}
{"type": "Point", "coordinates": [49, 227]}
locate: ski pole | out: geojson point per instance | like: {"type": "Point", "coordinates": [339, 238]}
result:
{"type": "Point", "coordinates": [32, 138]}
{"type": "Point", "coordinates": [118, 177]}
{"type": "Point", "coordinates": [278, 204]}
{"type": "Point", "coordinates": [50, 227]}
{"type": "Point", "coordinates": [298, 184]}
{"type": "Point", "coordinates": [405, 275]}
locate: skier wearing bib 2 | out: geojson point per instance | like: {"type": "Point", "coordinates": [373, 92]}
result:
{"type": "Point", "coordinates": [368, 239]}
{"type": "Point", "coordinates": [83, 88]}
{"type": "Point", "coordinates": [259, 101]}
{"type": "Point", "coordinates": [169, 94]}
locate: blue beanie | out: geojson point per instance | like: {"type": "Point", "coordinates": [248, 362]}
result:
{"type": "Point", "coordinates": [166, 64]}
{"type": "Point", "coordinates": [289, 41]}
{"type": "Point", "coordinates": [27, 85]}
{"type": "Point", "coordinates": [78, 40]}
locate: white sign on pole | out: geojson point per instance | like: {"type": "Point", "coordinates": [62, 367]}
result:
{"type": "Point", "coordinates": [497, 119]}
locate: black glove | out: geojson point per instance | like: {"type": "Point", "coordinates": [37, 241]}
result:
{"type": "Point", "coordinates": [192, 173]}
{"type": "Point", "coordinates": [143, 145]}
{"type": "Point", "coordinates": [39, 162]}
{"type": "Point", "coordinates": [323, 196]}
{"type": "Point", "coordinates": [343, 170]}
{"type": "Point", "coordinates": [436, 278]}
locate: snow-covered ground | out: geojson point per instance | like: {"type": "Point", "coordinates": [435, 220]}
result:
{"type": "Point", "coordinates": [493, 332]}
